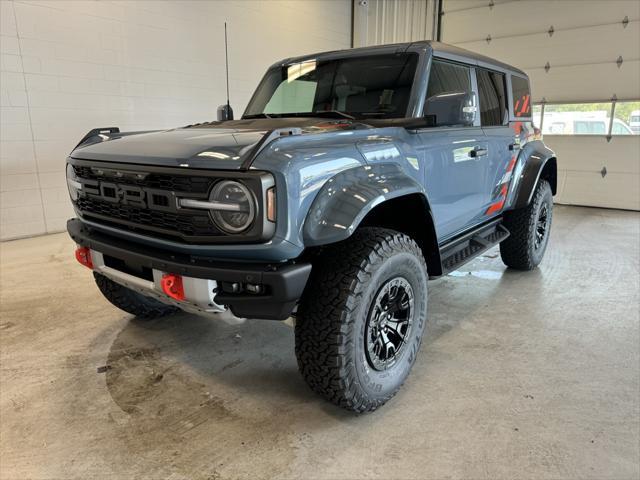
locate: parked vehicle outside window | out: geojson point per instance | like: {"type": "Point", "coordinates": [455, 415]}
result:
{"type": "Point", "coordinates": [634, 121]}
{"type": "Point", "coordinates": [627, 114]}
{"type": "Point", "coordinates": [587, 118]}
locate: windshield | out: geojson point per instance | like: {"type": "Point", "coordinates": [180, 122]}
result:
{"type": "Point", "coordinates": [377, 86]}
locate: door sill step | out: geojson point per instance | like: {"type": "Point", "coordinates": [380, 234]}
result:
{"type": "Point", "coordinates": [461, 250]}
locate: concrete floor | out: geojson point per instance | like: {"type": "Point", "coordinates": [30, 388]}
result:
{"type": "Point", "coordinates": [528, 375]}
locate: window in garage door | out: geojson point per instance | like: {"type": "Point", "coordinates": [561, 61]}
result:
{"type": "Point", "coordinates": [493, 105]}
{"type": "Point", "coordinates": [626, 119]}
{"type": "Point", "coordinates": [588, 118]}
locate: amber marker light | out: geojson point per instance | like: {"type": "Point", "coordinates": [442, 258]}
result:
{"type": "Point", "coordinates": [271, 204]}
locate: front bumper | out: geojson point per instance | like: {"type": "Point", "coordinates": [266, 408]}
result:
{"type": "Point", "coordinates": [282, 284]}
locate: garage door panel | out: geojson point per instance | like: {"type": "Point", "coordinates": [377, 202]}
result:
{"type": "Point", "coordinates": [525, 17]}
{"type": "Point", "coordinates": [591, 153]}
{"type": "Point", "coordinates": [570, 47]}
{"type": "Point", "coordinates": [586, 83]}
{"type": "Point", "coordinates": [616, 190]}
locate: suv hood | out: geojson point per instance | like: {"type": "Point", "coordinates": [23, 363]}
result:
{"type": "Point", "coordinates": [230, 145]}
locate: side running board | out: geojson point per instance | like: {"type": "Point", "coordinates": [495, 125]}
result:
{"type": "Point", "coordinates": [460, 250]}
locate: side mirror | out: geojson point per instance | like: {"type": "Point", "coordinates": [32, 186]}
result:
{"type": "Point", "coordinates": [225, 112]}
{"type": "Point", "coordinates": [451, 109]}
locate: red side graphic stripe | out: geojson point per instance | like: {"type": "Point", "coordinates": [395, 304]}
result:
{"type": "Point", "coordinates": [499, 204]}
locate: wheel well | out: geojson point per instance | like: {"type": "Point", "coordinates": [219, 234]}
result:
{"type": "Point", "coordinates": [411, 215]}
{"type": "Point", "coordinates": [550, 174]}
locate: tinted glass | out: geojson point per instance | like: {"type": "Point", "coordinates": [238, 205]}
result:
{"type": "Point", "coordinates": [377, 86]}
{"type": "Point", "coordinates": [493, 105]}
{"type": "Point", "coordinates": [448, 78]}
{"type": "Point", "coordinates": [521, 96]}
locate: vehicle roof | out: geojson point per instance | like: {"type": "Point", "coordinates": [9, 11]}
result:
{"type": "Point", "coordinates": [428, 46]}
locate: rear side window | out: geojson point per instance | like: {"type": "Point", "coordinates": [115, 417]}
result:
{"type": "Point", "coordinates": [448, 78]}
{"type": "Point", "coordinates": [521, 95]}
{"type": "Point", "coordinates": [493, 104]}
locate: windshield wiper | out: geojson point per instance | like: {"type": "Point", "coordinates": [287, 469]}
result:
{"type": "Point", "coordinates": [331, 113]}
{"type": "Point", "coordinates": [256, 115]}
{"type": "Point", "coordinates": [320, 113]}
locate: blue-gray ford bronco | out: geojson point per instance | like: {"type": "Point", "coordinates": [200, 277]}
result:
{"type": "Point", "coordinates": [352, 178]}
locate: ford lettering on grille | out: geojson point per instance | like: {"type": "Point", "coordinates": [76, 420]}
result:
{"type": "Point", "coordinates": [140, 197]}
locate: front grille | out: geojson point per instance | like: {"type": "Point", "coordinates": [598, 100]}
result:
{"type": "Point", "coordinates": [144, 199]}
{"type": "Point", "coordinates": [161, 181]}
{"type": "Point", "coordinates": [192, 226]}
{"type": "Point", "coordinates": [196, 224]}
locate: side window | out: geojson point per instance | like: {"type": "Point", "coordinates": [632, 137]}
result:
{"type": "Point", "coordinates": [521, 95]}
{"type": "Point", "coordinates": [493, 105]}
{"type": "Point", "coordinates": [448, 88]}
{"type": "Point", "coordinates": [448, 78]}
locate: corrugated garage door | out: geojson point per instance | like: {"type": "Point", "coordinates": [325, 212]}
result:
{"type": "Point", "coordinates": [580, 56]}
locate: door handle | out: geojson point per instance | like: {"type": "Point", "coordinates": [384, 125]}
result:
{"type": "Point", "coordinates": [478, 152]}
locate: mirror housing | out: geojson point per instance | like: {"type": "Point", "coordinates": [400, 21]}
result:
{"type": "Point", "coordinates": [451, 109]}
{"type": "Point", "coordinates": [225, 112]}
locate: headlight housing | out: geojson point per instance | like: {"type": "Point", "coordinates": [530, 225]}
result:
{"type": "Point", "coordinates": [72, 183]}
{"type": "Point", "coordinates": [237, 206]}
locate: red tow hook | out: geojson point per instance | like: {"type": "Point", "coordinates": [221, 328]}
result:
{"type": "Point", "coordinates": [83, 255]}
{"type": "Point", "coordinates": [172, 286]}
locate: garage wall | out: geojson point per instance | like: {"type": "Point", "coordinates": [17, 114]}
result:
{"type": "Point", "coordinates": [378, 22]}
{"type": "Point", "coordinates": [570, 50]}
{"type": "Point", "coordinates": [69, 66]}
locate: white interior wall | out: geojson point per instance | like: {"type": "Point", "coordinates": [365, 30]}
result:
{"type": "Point", "coordinates": [588, 37]}
{"type": "Point", "coordinates": [69, 66]}
{"type": "Point", "coordinates": [378, 22]}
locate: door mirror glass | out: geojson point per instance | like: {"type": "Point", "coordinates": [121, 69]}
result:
{"type": "Point", "coordinates": [451, 109]}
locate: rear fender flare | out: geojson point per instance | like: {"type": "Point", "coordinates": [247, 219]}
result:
{"type": "Point", "coordinates": [535, 158]}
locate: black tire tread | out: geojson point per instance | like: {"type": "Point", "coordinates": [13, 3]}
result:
{"type": "Point", "coordinates": [325, 320]}
{"type": "Point", "coordinates": [515, 251]}
{"type": "Point", "coordinates": [130, 301]}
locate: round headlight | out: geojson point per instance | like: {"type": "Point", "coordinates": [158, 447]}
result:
{"type": "Point", "coordinates": [239, 211]}
{"type": "Point", "coordinates": [72, 183]}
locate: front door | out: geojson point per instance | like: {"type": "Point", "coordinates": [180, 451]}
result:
{"type": "Point", "coordinates": [456, 157]}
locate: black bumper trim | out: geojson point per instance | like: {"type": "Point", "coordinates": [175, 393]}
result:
{"type": "Point", "coordinates": [285, 282]}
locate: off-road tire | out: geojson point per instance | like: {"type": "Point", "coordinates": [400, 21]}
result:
{"type": "Point", "coordinates": [519, 250]}
{"type": "Point", "coordinates": [334, 312]}
{"type": "Point", "coordinates": [132, 302]}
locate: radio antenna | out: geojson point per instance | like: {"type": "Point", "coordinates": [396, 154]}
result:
{"type": "Point", "coordinates": [226, 61]}
{"type": "Point", "coordinates": [225, 112]}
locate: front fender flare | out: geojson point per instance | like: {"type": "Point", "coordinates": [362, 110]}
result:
{"type": "Point", "coordinates": [346, 198]}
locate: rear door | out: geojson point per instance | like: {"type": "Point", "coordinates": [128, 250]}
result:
{"type": "Point", "coordinates": [454, 156]}
{"type": "Point", "coordinates": [494, 117]}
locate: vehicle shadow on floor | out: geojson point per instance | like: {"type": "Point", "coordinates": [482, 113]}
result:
{"type": "Point", "coordinates": [189, 360]}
